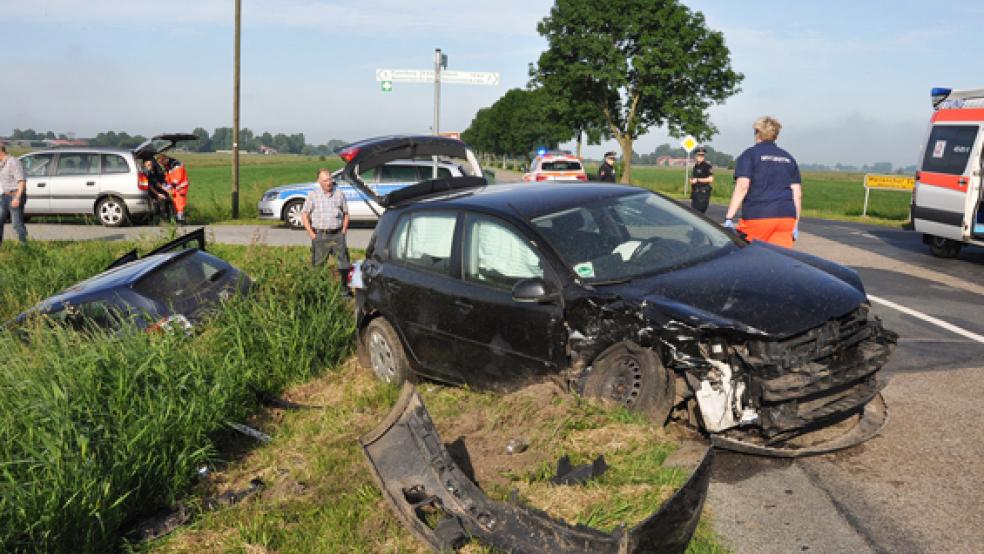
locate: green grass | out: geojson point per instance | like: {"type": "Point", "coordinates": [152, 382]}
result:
{"type": "Point", "coordinates": [95, 430]}
{"type": "Point", "coordinates": [827, 194]}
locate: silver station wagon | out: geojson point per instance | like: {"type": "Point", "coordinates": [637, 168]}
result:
{"type": "Point", "coordinates": [98, 181]}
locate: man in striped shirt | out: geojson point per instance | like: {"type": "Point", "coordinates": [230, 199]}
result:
{"type": "Point", "coordinates": [325, 216]}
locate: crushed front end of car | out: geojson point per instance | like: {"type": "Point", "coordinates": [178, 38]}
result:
{"type": "Point", "coordinates": [434, 498]}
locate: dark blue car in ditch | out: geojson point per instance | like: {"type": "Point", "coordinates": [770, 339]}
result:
{"type": "Point", "coordinates": [171, 287]}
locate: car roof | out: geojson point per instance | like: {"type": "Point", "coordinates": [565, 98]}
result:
{"type": "Point", "coordinates": [529, 200]}
{"type": "Point", "coordinates": [82, 150]}
{"type": "Point", "coordinates": [113, 278]}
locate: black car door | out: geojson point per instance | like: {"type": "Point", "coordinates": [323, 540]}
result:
{"type": "Point", "coordinates": [419, 271]}
{"type": "Point", "coordinates": [497, 339]}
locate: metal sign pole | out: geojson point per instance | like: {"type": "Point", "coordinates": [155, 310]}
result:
{"type": "Point", "coordinates": [438, 59]}
{"type": "Point", "coordinates": [867, 191]}
{"type": "Point", "coordinates": [235, 119]}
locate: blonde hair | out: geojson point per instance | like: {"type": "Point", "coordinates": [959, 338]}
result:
{"type": "Point", "coordinates": [324, 170]}
{"type": "Point", "coordinates": [767, 127]}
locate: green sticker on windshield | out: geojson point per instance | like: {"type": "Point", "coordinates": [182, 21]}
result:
{"type": "Point", "coordinates": [584, 270]}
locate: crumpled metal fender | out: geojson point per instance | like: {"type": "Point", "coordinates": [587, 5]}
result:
{"type": "Point", "coordinates": [436, 501]}
{"type": "Point", "coordinates": [873, 419]}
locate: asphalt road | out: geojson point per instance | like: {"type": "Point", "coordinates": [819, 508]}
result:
{"type": "Point", "coordinates": [916, 487]}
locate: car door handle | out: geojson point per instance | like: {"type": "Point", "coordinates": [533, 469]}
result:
{"type": "Point", "coordinates": [463, 305]}
{"type": "Point", "coordinates": [90, 183]}
{"type": "Point", "coordinates": [41, 185]}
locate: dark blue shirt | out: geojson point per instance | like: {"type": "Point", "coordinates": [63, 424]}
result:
{"type": "Point", "coordinates": [771, 170]}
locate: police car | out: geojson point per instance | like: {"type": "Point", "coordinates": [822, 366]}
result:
{"type": "Point", "coordinates": [284, 202]}
{"type": "Point", "coordinates": [557, 165]}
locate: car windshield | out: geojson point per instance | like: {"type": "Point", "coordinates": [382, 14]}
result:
{"type": "Point", "coordinates": [630, 236]}
{"type": "Point", "coordinates": [562, 165]}
{"type": "Point", "coordinates": [185, 282]}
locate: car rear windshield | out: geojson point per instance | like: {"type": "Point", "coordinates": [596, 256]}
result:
{"type": "Point", "coordinates": [630, 236]}
{"type": "Point", "coordinates": [949, 149]}
{"type": "Point", "coordinates": [563, 165]}
{"type": "Point", "coordinates": [185, 281]}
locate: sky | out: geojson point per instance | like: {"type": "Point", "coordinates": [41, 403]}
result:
{"type": "Point", "coordinates": [849, 81]}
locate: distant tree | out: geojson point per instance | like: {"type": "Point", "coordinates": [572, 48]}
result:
{"type": "Point", "coordinates": [518, 123]}
{"type": "Point", "coordinates": [266, 139]}
{"type": "Point", "coordinates": [222, 138]}
{"type": "Point", "coordinates": [641, 63]}
{"type": "Point", "coordinates": [203, 143]}
{"type": "Point", "coordinates": [49, 135]}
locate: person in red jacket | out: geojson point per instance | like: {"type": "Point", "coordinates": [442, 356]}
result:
{"type": "Point", "coordinates": [177, 180]}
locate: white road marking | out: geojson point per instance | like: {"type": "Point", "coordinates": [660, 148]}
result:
{"type": "Point", "coordinates": [929, 319]}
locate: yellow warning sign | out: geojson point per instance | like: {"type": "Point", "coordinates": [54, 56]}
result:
{"type": "Point", "coordinates": [889, 182]}
{"type": "Point", "coordinates": [688, 143]}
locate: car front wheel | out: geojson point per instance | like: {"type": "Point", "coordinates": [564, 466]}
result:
{"type": "Point", "coordinates": [111, 212]}
{"type": "Point", "coordinates": [943, 247]}
{"type": "Point", "coordinates": [292, 214]}
{"type": "Point", "coordinates": [631, 376]}
{"type": "Point", "coordinates": [386, 355]}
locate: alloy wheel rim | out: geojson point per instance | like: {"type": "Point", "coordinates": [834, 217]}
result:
{"type": "Point", "coordinates": [111, 212]}
{"type": "Point", "coordinates": [382, 357]}
{"type": "Point", "coordinates": [294, 215]}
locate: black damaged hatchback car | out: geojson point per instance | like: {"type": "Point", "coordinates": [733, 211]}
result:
{"type": "Point", "coordinates": [622, 294]}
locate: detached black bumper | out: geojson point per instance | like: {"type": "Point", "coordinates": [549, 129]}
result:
{"type": "Point", "coordinates": [435, 500]}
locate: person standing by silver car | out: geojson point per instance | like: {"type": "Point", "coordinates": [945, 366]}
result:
{"type": "Point", "coordinates": [325, 216]}
{"type": "Point", "coordinates": [12, 197]}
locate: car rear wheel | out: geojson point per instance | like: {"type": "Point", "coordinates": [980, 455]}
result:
{"type": "Point", "coordinates": [111, 212]}
{"type": "Point", "coordinates": [386, 355]}
{"type": "Point", "coordinates": [633, 377]}
{"type": "Point", "coordinates": [943, 247]}
{"type": "Point", "coordinates": [292, 214]}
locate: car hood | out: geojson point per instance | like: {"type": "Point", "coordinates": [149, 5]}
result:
{"type": "Point", "coordinates": [294, 186]}
{"type": "Point", "coordinates": [756, 290]}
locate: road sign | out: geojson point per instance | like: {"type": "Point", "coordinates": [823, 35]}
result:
{"type": "Point", "coordinates": [888, 182]}
{"type": "Point", "coordinates": [386, 86]}
{"type": "Point", "coordinates": [689, 143]}
{"type": "Point", "coordinates": [427, 76]}
{"type": "Point", "coordinates": [470, 78]}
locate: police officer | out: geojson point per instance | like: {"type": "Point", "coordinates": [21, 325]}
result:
{"type": "Point", "coordinates": [701, 181]}
{"type": "Point", "coordinates": [325, 216]}
{"type": "Point", "coordinates": [606, 173]}
{"type": "Point", "coordinates": [767, 189]}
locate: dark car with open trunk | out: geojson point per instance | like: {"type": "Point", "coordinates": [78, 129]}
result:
{"type": "Point", "coordinates": [622, 294]}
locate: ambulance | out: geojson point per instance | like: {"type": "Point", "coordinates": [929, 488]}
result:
{"type": "Point", "coordinates": [947, 202]}
{"type": "Point", "coordinates": [555, 165]}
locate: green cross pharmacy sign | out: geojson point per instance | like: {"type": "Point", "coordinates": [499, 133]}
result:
{"type": "Point", "coordinates": [386, 86]}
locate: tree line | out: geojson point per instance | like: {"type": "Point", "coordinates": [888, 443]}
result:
{"type": "Point", "coordinates": [219, 139]}
{"type": "Point", "coordinates": [713, 157]}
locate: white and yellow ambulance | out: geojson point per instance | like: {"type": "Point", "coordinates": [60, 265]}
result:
{"type": "Point", "coordinates": [947, 201]}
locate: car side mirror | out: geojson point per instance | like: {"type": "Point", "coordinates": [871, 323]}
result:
{"type": "Point", "coordinates": [535, 289]}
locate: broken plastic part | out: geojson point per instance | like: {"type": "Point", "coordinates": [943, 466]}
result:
{"type": "Point", "coordinates": [436, 501]}
{"type": "Point", "coordinates": [873, 419]}
{"type": "Point", "coordinates": [579, 475]}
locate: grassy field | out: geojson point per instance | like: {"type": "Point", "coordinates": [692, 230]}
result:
{"type": "Point", "coordinates": [828, 194]}
{"type": "Point", "coordinates": [97, 432]}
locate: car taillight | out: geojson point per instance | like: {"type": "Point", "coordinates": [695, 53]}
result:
{"type": "Point", "coordinates": [582, 177]}
{"type": "Point", "coordinates": [348, 155]}
{"type": "Point", "coordinates": [541, 177]}
{"type": "Point", "coordinates": [142, 182]}
{"type": "Point", "coordinates": [171, 324]}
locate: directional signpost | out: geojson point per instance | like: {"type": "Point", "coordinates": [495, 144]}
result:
{"type": "Point", "coordinates": [688, 143]}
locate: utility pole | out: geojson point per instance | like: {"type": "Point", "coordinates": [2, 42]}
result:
{"type": "Point", "coordinates": [235, 117]}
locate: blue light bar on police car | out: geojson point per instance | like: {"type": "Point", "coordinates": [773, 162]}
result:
{"type": "Point", "coordinates": [541, 151]}
{"type": "Point", "coordinates": [939, 94]}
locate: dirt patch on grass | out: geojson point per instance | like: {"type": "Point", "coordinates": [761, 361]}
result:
{"type": "Point", "coordinates": [477, 436]}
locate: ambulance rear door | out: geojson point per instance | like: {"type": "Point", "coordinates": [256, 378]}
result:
{"type": "Point", "coordinates": [948, 181]}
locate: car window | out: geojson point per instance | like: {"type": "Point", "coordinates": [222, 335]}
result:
{"type": "Point", "coordinates": [111, 163]}
{"type": "Point", "coordinates": [181, 282]}
{"type": "Point", "coordinates": [36, 165]}
{"type": "Point", "coordinates": [77, 164]}
{"type": "Point", "coordinates": [398, 174]}
{"type": "Point", "coordinates": [949, 148]}
{"type": "Point", "coordinates": [424, 239]}
{"type": "Point", "coordinates": [95, 313]}
{"type": "Point", "coordinates": [563, 165]}
{"type": "Point", "coordinates": [629, 236]}
{"type": "Point", "coordinates": [498, 255]}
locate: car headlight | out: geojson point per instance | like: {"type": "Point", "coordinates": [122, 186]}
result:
{"type": "Point", "coordinates": [269, 196]}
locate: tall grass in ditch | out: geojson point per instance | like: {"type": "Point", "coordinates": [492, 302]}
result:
{"type": "Point", "coordinates": [96, 430]}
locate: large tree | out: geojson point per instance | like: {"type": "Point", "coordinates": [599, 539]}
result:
{"type": "Point", "coordinates": [519, 122]}
{"type": "Point", "coordinates": [640, 63]}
